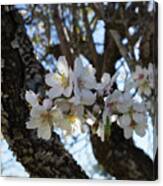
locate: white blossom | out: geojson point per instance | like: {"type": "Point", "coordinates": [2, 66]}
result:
{"type": "Point", "coordinates": [73, 116]}
{"type": "Point", "coordinates": [141, 78]}
{"type": "Point", "coordinates": [42, 118]}
{"type": "Point", "coordinates": [117, 101]}
{"type": "Point", "coordinates": [60, 81]}
{"type": "Point", "coordinates": [106, 83]}
{"type": "Point", "coordinates": [133, 119]}
{"type": "Point", "coordinates": [84, 81]}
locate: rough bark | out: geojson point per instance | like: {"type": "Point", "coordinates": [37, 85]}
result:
{"type": "Point", "coordinates": [122, 159]}
{"type": "Point", "coordinates": [40, 158]}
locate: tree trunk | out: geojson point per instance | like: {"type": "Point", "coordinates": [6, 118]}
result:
{"type": "Point", "coordinates": [40, 158]}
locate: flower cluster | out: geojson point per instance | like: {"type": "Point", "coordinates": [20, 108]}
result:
{"type": "Point", "coordinates": [74, 98]}
{"type": "Point", "coordinates": [69, 91]}
{"type": "Point", "coordinates": [131, 114]}
{"type": "Point", "coordinates": [144, 79]}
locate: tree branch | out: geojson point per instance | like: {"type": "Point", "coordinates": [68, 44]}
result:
{"type": "Point", "coordinates": [122, 159]}
{"type": "Point", "coordinates": [65, 47]}
{"type": "Point", "coordinates": [40, 158]}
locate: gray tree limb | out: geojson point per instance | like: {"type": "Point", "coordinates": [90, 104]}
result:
{"type": "Point", "coordinates": [40, 158]}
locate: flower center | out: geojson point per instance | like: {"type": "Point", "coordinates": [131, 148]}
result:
{"type": "Point", "coordinates": [64, 81]}
{"type": "Point", "coordinates": [80, 83]}
{"type": "Point", "coordinates": [71, 118]}
{"type": "Point", "coordinates": [111, 106]}
{"type": "Point", "coordinates": [47, 117]}
{"type": "Point", "coordinates": [141, 76]}
{"type": "Point", "coordinates": [145, 84]}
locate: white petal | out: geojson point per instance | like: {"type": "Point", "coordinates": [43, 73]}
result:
{"type": "Point", "coordinates": [68, 90]}
{"type": "Point", "coordinates": [125, 120]}
{"type": "Point", "coordinates": [47, 103]}
{"type": "Point", "coordinates": [100, 87]}
{"type": "Point", "coordinates": [106, 78]}
{"type": "Point", "coordinates": [147, 91]}
{"type": "Point", "coordinates": [140, 130]}
{"type": "Point", "coordinates": [96, 108]}
{"type": "Point", "coordinates": [36, 111]}
{"type": "Point", "coordinates": [32, 124]}
{"type": "Point", "coordinates": [63, 105]}
{"type": "Point", "coordinates": [76, 88]}
{"type": "Point", "coordinates": [91, 70]}
{"type": "Point", "coordinates": [100, 131]}
{"type": "Point", "coordinates": [128, 131]}
{"type": "Point", "coordinates": [88, 98]}
{"type": "Point", "coordinates": [139, 107]}
{"type": "Point", "coordinates": [31, 97]}
{"type": "Point", "coordinates": [78, 67]}
{"type": "Point", "coordinates": [50, 80]}
{"type": "Point", "coordinates": [130, 85]}
{"type": "Point", "coordinates": [75, 100]}
{"type": "Point", "coordinates": [79, 110]}
{"type": "Point", "coordinates": [62, 66]}
{"type": "Point", "coordinates": [115, 95]}
{"type": "Point", "coordinates": [88, 77]}
{"type": "Point", "coordinates": [56, 91]}
{"type": "Point", "coordinates": [44, 132]}
{"type": "Point", "coordinates": [122, 107]}
{"type": "Point", "coordinates": [139, 118]}
{"type": "Point", "coordinates": [90, 83]}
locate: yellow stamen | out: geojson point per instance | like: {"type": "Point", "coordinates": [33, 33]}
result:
{"type": "Point", "coordinates": [64, 81]}
{"type": "Point", "coordinates": [62, 78]}
{"type": "Point", "coordinates": [71, 118]}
